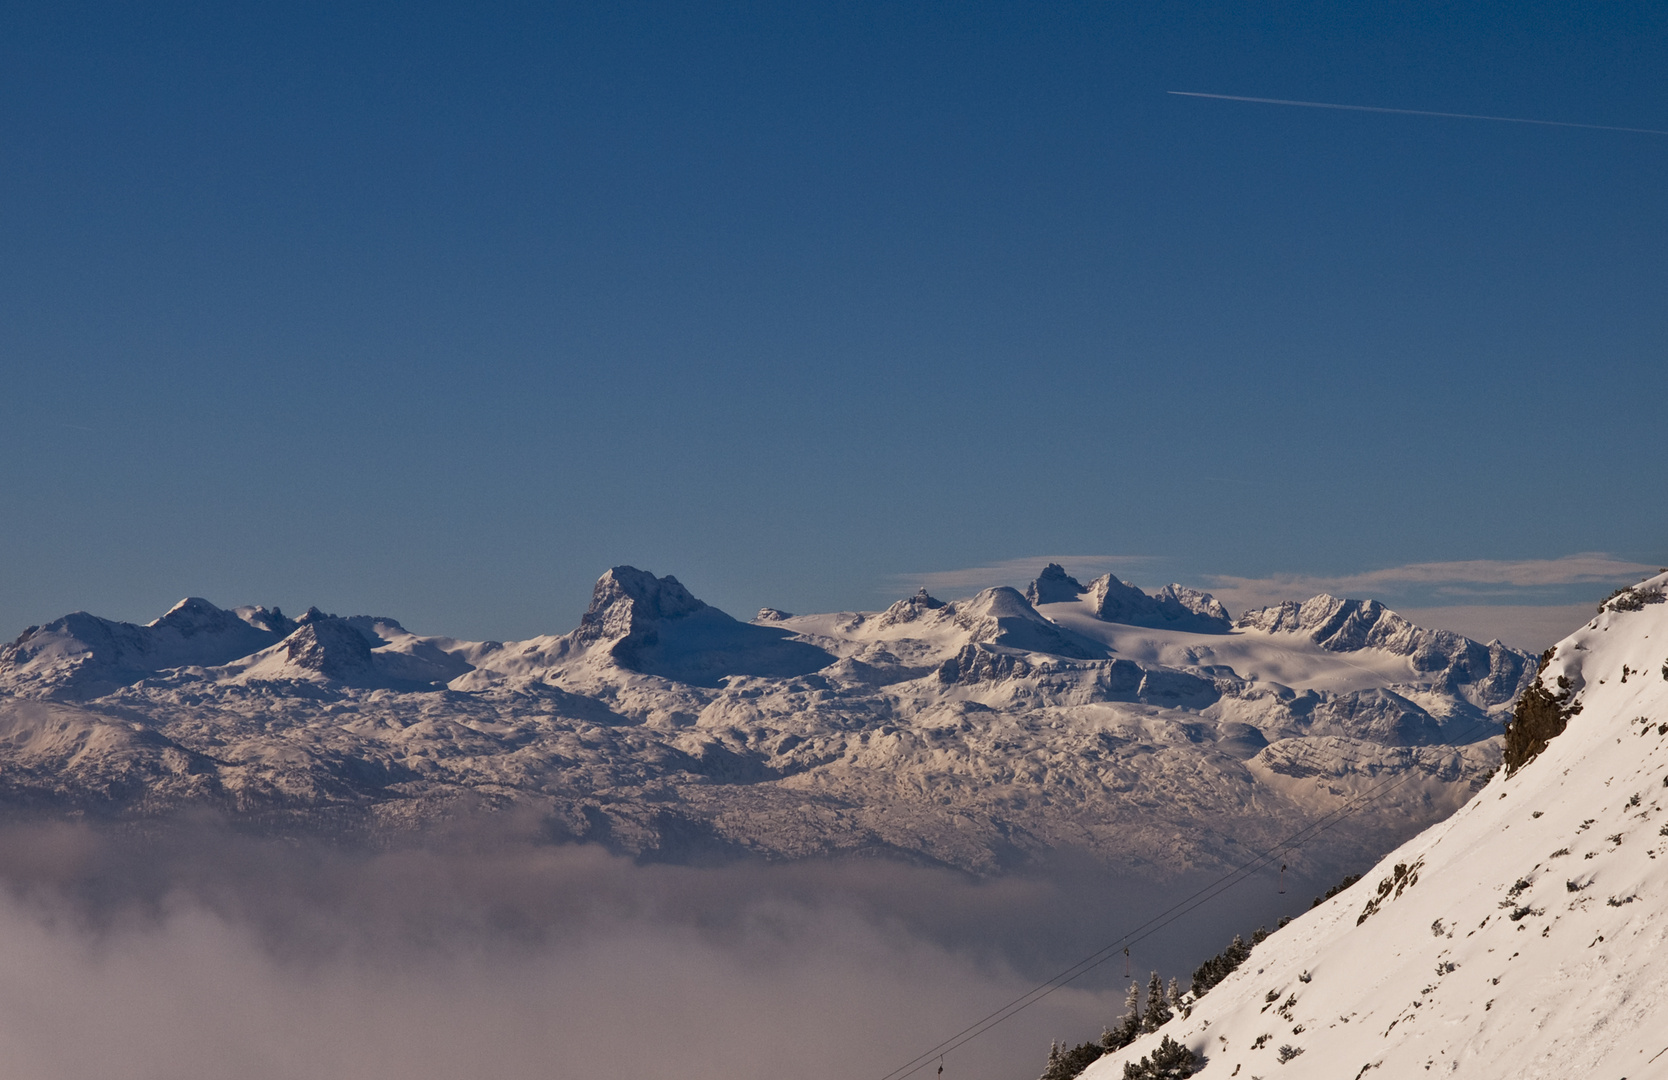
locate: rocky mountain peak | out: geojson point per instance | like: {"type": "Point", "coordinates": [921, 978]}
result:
{"type": "Point", "coordinates": [273, 620]}
{"type": "Point", "coordinates": [194, 615]}
{"type": "Point", "coordinates": [329, 646]}
{"type": "Point", "coordinates": [1494, 673]}
{"type": "Point", "coordinates": [1003, 617]}
{"type": "Point", "coordinates": [1175, 607]}
{"type": "Point", "coordinates": [1054, 586]}
{"type": "Point", "coordinates": [627, 603]}
{"type": "Point", "coordinates": [1195, 601]}
{"type": "Point", "coordinates": [912, 608]}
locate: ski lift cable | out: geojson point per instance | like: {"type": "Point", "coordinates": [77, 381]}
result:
{"type": "Point", "coordinates": [1231, 879]}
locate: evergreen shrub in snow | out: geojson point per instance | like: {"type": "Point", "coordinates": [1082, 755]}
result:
{"type": "Point", "coordinates": [1170, 1061]}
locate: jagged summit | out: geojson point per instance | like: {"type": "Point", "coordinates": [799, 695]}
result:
{"type": "Point", "coordinates": [1492, 673]}
{"type": "Point", "coordinates": [1004, 618]}
{"type": "Point", "coordinates": [627, 602]}
{"type": "Point", "coordinates": [329, 646]}
{"type": "Point", "coordinates": [1174, 607]}
{"type": "Point", "coordinates": [1054, 586]}
{"type": "Point", "coordinates": [653, 625]}
{"type": "Point", "coordinates": [194, 615]}
{"type": "Point", "coordinates": [913, 608]}
{"type": "Point", "coordinates": [271, 619]}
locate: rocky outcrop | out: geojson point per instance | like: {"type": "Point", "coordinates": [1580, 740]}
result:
{"type": "Point", "coordinates": [1054, 586]}
{"type": "Point", "coordinates": [1002, 617]}
{"type": "Point", "coordinates": [1541, 715]}
{"type": "Point", "coordinates": [913, 609]}
{"type": "Point", "coordinates": [1491, 674]}
{"type": "Point", "coordinates": [627, 607]}
{"type": "Point", "coordinates": [1173, 608]}
{"type": "Point", "coordinates": [328, 646]}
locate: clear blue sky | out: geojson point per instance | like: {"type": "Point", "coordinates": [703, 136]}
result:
{"type": "Point", "coordinates": [438, 311]}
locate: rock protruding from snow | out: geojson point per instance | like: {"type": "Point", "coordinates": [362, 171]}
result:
{"type": "Point", "coordinates": [1054, 586]}
{"type": "Point", "coordinates": [1491, 674]}
{"type": "Point", "coordinates": [1175, 607]}
{"type": "Point", "coordinates": [272, 620]}
{"type": "Point", "coordinates": [1199, 603]}
{"type": "Point", "coordinates": [328, 646]}
{"type": "Point", "coordinates": [653, 625]}
{"type": "Point", "coordinates": [1002, 617]}
{"type": "Point", "coordinates": [770, 614]}
{"type": "Point", "coordinates": [628, 603]}
{"type": "Point", "coordinates": [913, 609]}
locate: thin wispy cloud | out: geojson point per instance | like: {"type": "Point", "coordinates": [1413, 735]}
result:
{"type": "Point", "coordinates": [1471, 581]}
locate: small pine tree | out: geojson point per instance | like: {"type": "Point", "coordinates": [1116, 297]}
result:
{"type": "Point", "coordinates": [1158, 1010]}
{"type": "Point", "coordinates": [1172, 994]}
{"type": "Point", "coordinates": [1051, 1071]}
{"type": "Point", "coordinates": [1067, 1064]}
{"type": "Point", "coordinates": [1129, 1025]}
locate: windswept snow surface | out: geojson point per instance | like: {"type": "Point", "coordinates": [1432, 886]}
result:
{"type": "Point", "coordinates": [977, 733]}
{"type": "Point", "coordinates": [1522, 937]}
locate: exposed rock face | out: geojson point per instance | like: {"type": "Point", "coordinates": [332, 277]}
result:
{"type": "Point", "coordinates": [1493, 673]}
{"type": "Point", "coordinates": [1004, 618]}
{"type": "Point", "coordinates": [974, 733]}
{"type": "Point", "coordinates": [912, 609]}
{"type": "Point", "coordinates": [1201, 604]}
{"type": "Point", "coordinates": [329, 646]}
{"type": "Point", "coordinates": [1541, 715]}
{"type": "Point", "coordinates": [1054, 585]}
{"type": "Point", "coordinates": [628, 605]}
{"type": "Point", "coordinates": [1173, 608]}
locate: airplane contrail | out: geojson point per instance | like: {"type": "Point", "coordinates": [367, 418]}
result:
{"type": "Point", "coordinates": [1415, 112]}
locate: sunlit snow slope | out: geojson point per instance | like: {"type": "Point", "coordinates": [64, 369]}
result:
{"type": "Point", "coordinates": [1525, 936]}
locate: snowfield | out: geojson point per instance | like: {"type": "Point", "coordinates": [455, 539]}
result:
{"type": "Point", "coordinates": [1522, 937]}
{"type": "Point", "coordinates": [1151, 731]}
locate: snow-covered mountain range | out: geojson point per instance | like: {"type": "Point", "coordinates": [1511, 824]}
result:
{"type": "Point", "coordinates": [1148, 729]}
{"type": "Point", "coordinates": [1522, 937]}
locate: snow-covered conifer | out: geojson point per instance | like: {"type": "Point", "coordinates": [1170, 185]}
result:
{"type": "Point", "coordinates": [1158, 1010]}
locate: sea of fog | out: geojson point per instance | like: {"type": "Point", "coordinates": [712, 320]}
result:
{"type": "Point", "coordinates": [195, 951]}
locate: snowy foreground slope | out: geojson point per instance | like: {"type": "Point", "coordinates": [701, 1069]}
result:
{"type": "Point", "coordinates": [1525, 936]}
{"type": "Point", "coordinates": [1147, 729]}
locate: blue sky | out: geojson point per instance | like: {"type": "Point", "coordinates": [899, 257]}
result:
{"type": "Point", "coordinates": [438, 311]}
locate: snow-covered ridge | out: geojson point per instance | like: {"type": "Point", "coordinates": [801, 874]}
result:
{"type": "Point", "coordinates": [972, 732]}
{"type": "Point", "coordinates": [1521, 938]}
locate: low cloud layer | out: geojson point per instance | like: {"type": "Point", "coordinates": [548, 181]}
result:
{"type": "Point", "coordinates": [198, 953]}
